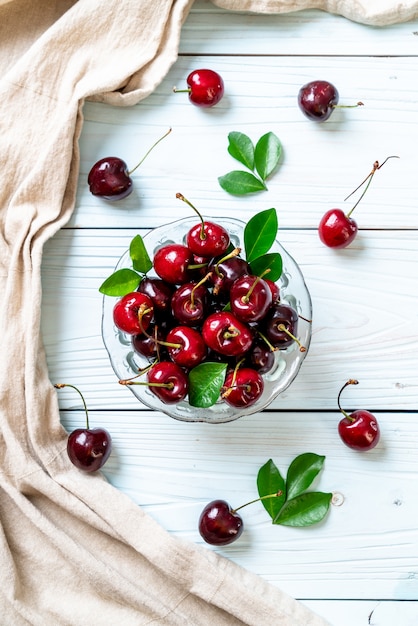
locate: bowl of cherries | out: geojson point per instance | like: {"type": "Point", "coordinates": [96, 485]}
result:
{"type": "Point", "coordinates": [207, 321]}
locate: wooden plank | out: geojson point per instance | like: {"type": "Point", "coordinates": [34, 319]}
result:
{"type": "Point", "coordinates": [209, 30]}
{"type": "Point", "coordinates": [364, 323]}
{"type": "Point", "coordinates": [365, 549]}
{"type": "Point", "coordinates": [321, 163]}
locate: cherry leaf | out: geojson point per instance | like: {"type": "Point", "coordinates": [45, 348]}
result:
{"type": "Point", "coordinates": [267, 154]}
{"type": "Point", "coordinates": [260, 233]}
{"type": "Point", "coordinates": [302, 471]}
{"type": "Point", "coordinates": [270, 481]}
{"type": "Point", "coordinates": [205, 382]}
{"type": "Point", "coordinates": [241, 148]}
{"type": "Point", "coordinates": [240, 183]}
{"type": "Point", "coordinates": [120, 283]}
{"type": "Point", "coordinates": [304, 510]}
{"type": "Point", "coordinates": [139, 255]}
{"type": "Point", "coordinates": [272, 261]}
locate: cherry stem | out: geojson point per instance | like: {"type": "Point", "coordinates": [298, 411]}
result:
{"type": "Point", "coordinates": [158, 342]}
{"type": "Point", "coordinates": [270, 495]}
{"type": "Point", "coordinates": [144, 370]}
{"type": "Point", "coordinates": [247, 296]}
{"type": "Point", "coordinates": [368, 179]}
{"type": "Point", "coordinates": [180, 196]}
{"type": "Point", "coordinates": [267, 342]}
{"type": "Point", "coordinates": [234, 377]}
{"type": "Point", "coordinates": [348, 106]}
{"type": "Point", "coordinates": [62, 385]}
{"type": "Point", "coordinates": [175, 90]}
{"type": "Point", "coordinates": [137, 382]}
{"type": "Point", "coordinates": [199, 284]}
{"type": "Point", "coordinates": [150, 150]}
{"type": "Point", "coordinates": [351, 381]}
{"type": "Point", "coordinates": [283, 328]}
{"type": "Point", "coordinates": [231, 333]}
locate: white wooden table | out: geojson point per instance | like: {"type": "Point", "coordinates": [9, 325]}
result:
{"type": "Point", "coordinates": [361, 565]}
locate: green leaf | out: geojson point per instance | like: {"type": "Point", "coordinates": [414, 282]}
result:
{"type": "Point", "coordinates": [259, 234]}
{"type": "Point", "coordinates": [267, 154]}
{"type": "Point", "coordinates": [139, 255]}
{"type": "Point", "coordinates": [242, 149]}
{"type": "Point", "coordinates": [269, 481]}
{"type": "Point", "coordinates": [120, 283]}
{"type": "Point", "coordinates": [302, 471]}
{"type": "Point", "coordinates": [239, 183]}
{"type": "Point", "coordinates": [272, 261]}
{"type": "Point", "coordinates": [205, 382]}
{"type": "Point", "coordinates": [304, 510]}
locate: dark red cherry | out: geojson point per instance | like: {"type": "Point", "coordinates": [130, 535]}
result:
{"type": "Point", "coordinates": [110, 179]}
{"type": "Point", "coordinates": [219, 525]}
{"type": "Point", "coordinates": [225, 272]}
{"type": "Point", "coordinates": [260, 357]}
{"type": "Point", "coordinates": [281, 320]}
{"type": "Point", "coordinates": [317, 100]}
{"type": "Point", "coordinates": [250, 298]}
{"type": "Point", "coordinates": [133, 313]}
{"type": "Point", "coordinates": [159, 291]}
{"type": "Point", "coordinates": [359, 430]}
{"type": "Point", "coordinates": [189, 303]}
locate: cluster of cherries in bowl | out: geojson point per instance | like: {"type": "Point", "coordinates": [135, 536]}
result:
{"type": "Point", "coordinates": [205, 305]}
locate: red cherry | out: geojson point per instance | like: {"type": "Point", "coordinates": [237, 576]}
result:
{"type": "Point", "coordinates": [250, 298]}
{"type": "Point", "coordinates": [188, 348]}
{"type": "Point", "coordinates": [226, 334]}
{"type": "Point", "coordinates": [133, 313]}
{"type": "Point", "coordinates": [189, 303]}
{"type": "Point", "coordinates": [205, 239]}
{"type": "Point", "coordinates": [168, 382]}
{"type": "Point", "coordinates": [337, 230]}
{"type": "Point", "coordinates": [87, 448]}
{"type": "Point", "coordinates": [171, 263]}
{"type": "Point", "coordinates": [219, 525]}
{"type": "Point", "coordinates": [242, 387]}
{"type": "Point", "coordinates": [205, 88]}
{"type": "Point", "coordinates": [358, 430]}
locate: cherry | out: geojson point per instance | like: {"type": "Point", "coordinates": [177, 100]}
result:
{"type": "Point", "coordinates": [166, 380]}
{"type": "Point", "coordinates": [280, 326]}
{"type": "Point", "coordinates": [225, 271]}
{"type": "Point", "coordinates": [148, 345]}
{"type": "Point", "coordinates": [172, 261]}
{"type": "Point", "coordinates": [359, 430]}
{"type": "Point", "coordinates": [242, 387]}
{"type": "Point", "coordinates": [337, 229]}
{"type": "Point", "coordinates": [205, 88]}
{"type": "Point", "coordinates": [261, 357]}
{"type": "Point", "coordinates": [318, 99]}
{"type": "Point", "coordinates": [250, 298]}
{"type": "Point", "coordinates": [87, 448]}
{"type": "Point", "coordinates": [189, 303]}
{"type": "Point", "coordinates": [205, 239]}
{"type": "Point", "coordinates": [110, 178]}
{"type": "Point", "coordinates": [220, 525]}
{"type": "Point", "coordinates": [185, 346]}
{"type": "Point", "coordinates": [133, 313]}
{"type": "Point", "coordinates": [159, 291]}
{"type": "Point", "coordinates": [226, 334]}
{"type": "Point", "coordinates": [274, 288]}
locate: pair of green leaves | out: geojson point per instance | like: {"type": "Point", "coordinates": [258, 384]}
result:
{"type": "Point", "coordinates": [127, 279]}
{"type": "Point", "coordinates": [291, 504]}
{"type": "Point", "coordinates": [261, 160]}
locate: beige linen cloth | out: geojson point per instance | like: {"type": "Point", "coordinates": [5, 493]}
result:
{"type": "Point", "coordinates": [74, 550]}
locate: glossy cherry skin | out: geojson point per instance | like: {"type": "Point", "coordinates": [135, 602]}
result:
{"type": "Point", "coordinates": [207, 239]}
{"type": "Point", "coordinates": [159, 291]}
{"type": "Point", "coordinates": [359, 431]}
{"type": "Point", "coordinates": [275, 290]}
{"type": "Point", "coordinates": [127, 314]}
{"type": "Point", "coordinates": [226, 334]}
{"type": "Point", "coordinates": [171, 263]}
{"type": "Point", "coordinates": [250, 298]}
{"type": "Point", "coordinates": [145, 345]}
{"type": "Point", "coordinates": [219, 525]}
{"type": "Point", "coordinates": [206, 87]}
{"type": "Point", "coordinates": [189, 304]}
{"type": "Point", "coordinates": [168, 373]}
{"type": "Point", "coordinates": [109, 178]}
{"type": "Point", "coordinates": [89, 448]}
{"type": "Point", "coordinates": [260, 357]}
{"type": "Point", "coordinates": [318, 99]}
{"type": "Point", "coordinates": [244, 389]}
{"type": "Point", "coordinates": [192, 349]}
{"type": "Point", "coordinates": [336, 230]}
{"type": "Point", "coordinates": [225, 273]}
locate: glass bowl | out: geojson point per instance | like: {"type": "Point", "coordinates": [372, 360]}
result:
{"type": "Point", "coordinates": [126, 362]}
